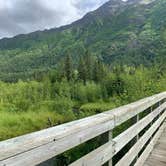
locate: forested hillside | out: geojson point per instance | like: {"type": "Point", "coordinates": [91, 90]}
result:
{"type": "Point", "coordinates": [130, 33]}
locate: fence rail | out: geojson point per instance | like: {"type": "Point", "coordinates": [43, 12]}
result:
{"type": "Point", "coordinates": [37, 147]}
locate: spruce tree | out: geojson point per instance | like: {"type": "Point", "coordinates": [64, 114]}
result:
{"type": "Point", "coordinates": [82, 70]}
{"type": "Point", "coordinates": [89, 65]}
{"type": "Point", "coordinates": [98, 72]}
{"type": "Point", "coordinates": [68, 68]}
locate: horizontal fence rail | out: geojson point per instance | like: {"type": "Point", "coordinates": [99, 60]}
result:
{"type": "Point", "coordinates": [35, 148]}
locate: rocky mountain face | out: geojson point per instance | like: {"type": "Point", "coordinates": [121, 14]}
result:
{"type": "Point", "coordinates": [119, 32]}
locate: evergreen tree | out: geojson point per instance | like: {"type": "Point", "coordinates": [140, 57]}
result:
{"type": "Point", "coordinates": [99, 71]}
{"type": "Point", "coordinates": [82, 70]}
{"type": "Point", "coordinates": [68, 68]}
{"type": "Point", "coordinates": [89, 65]}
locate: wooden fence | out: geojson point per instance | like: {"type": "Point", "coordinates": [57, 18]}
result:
{"type": "Point", "coordinates": [35, 148]}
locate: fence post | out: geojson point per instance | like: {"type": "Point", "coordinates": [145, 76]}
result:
{"type": "Point", "coordinates": [110, 139]}
{"type": "Point", "coordinates": [159, 104]}
{"type": "Point", "coordinates": [137, 134]}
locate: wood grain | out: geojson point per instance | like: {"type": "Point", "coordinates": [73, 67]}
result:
{"type": "Point", "coordinates": [37, 147]}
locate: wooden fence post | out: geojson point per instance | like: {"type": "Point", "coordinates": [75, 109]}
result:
{"type": "Point", "coordinates": [137, 134]}
{"type": "Point", "coordinates": [110, 139]}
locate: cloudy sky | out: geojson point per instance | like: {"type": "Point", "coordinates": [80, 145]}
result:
{"type": "Point", "coordinates": [24, 16]}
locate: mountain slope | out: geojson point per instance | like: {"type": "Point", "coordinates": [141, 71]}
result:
{"type": "Point", "coordinates": [132, 32]}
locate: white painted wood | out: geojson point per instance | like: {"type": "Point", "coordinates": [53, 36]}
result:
{"type": "Point", "coordinates": [97, 158]}
{"type": "Point", "coordinates": [126, 112]}
{"type": "Point", "coordinates": [30, 141]}
{"type": "Point", "coordinates": [132, 153]}
{"type": "Point", "coordinates": [110, 136]}
{"type": "Point", "coordinates": [47, 151]}
{"type": "Point", "coordinates": [149, 148]}
{"type": "Point", "coordinates": [151, 110]}
{"type": "Point", "coordinates": [34, 148]}
{"type": "Point", "coordinates": [119, 142]}
{"type": "Point", "coordinates": [138, 133]}
{"type": "Point", "coordinates": [125, 137]}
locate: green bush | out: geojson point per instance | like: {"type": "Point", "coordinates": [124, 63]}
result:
{"type": "Point", "coordinates": [94, 108]}
{"type": "Point", "coordinates": [61, 106]}
{"type": "Point", "coordinates": [15, 124]}
{"type": "Point", "coordinates": [87, 93]}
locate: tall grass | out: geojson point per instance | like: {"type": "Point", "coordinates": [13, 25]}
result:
{"type": "Point", "coordinates": [14, 124]}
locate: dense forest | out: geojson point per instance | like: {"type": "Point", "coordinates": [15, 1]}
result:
{"type": "Point", "coordinates": [73, 91]}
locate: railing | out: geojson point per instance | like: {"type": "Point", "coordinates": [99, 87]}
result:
{"type": "Point", "coordinates": [35, 148]}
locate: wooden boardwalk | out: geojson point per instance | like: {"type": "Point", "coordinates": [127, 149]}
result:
{"type": "Point", "coordinates": [149, 115]}
{"type": "Point", "coordinates": [158, 155]}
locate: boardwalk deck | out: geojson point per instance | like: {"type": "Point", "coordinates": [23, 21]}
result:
{"type": "Point", "coordinates": [158, 155]}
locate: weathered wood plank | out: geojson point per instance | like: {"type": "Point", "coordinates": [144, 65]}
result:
{"type": "Point", "coordinates": [158, 154]}
{"type": "Point", "coordinates": [97, 157]}
{"type": "Point", "coordinates": [130, 133]}
{"type": "Point", "coordinates": [159, 157]}
{"type": "Point", "coordinates": [124, 113]}
{"type": "Point", "coordinates": [119, 142]}
{"type": "Point", "coordinates": [132, 153]}
{"type": "Point", "coordinates": [30, 141]}
{"type": "Point", "coordinates": [154, 162]}
{"type": "Point", "coordinates": [58, 139]}
{"type": "Point", "coordinates": [110, 139]}
{"type": "Point", "coordinates": [149, 148]}
{"type": "Point", "coordinates": [36, 155]}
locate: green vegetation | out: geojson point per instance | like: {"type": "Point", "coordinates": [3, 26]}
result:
{"type": "Point", "coordinates": [57, 98]}
{"type": "Point", "coordinates": [105, 60]}
{"type": "Point", "coordinates": [15, 123]}
{"type": "Point", "coordinates": [129, 34]}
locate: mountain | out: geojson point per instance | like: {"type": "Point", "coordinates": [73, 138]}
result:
{"type": "Point", "coordinates": [132, 33]}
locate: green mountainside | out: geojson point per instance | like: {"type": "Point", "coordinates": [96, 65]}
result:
{"type": "Point", "coordinates": [131, 33]}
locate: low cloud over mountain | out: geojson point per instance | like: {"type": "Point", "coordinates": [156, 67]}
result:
{"type": "Point", "coordinates": [18, 16]}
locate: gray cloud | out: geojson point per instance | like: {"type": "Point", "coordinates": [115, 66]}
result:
{"type": "Point", "coordinates": [24, 16]}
